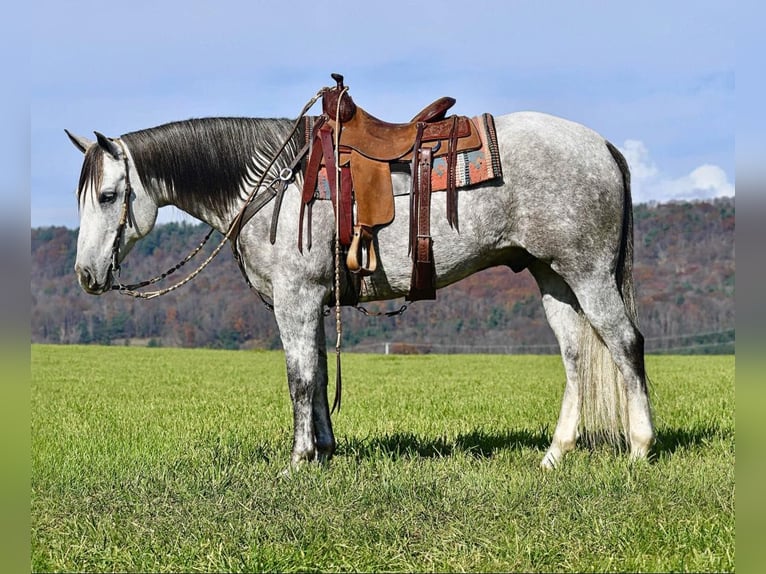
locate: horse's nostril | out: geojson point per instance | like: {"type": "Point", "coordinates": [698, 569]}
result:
{"type": "Point", "coordinates": [86, 279]}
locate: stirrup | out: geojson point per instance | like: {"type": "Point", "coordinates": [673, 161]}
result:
{"type": "Point", "coordinates": [362, 240]}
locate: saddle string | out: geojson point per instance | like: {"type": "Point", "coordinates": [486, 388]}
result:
{"type": "Point", "coordinates": [367, 313]}
{"type": "Point", "coordinates": [338, 323]}
{"type": "Point", "coordinates": [231, 233]}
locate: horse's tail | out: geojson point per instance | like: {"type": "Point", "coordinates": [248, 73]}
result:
{"type": "Point", "coordinates": [603, 395]}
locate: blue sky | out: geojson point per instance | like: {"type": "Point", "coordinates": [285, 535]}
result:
{"type": "Point", "coordinates": [655, 78]}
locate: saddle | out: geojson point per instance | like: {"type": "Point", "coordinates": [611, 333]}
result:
{"type": "Point", "coordinates": [366, 149]}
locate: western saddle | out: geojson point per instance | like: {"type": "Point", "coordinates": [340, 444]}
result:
{"type": "Point", "coordinates": [367, 147]}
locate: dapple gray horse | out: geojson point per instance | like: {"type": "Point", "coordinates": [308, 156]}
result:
{"type": "Point", "coordinates": [562, 210]}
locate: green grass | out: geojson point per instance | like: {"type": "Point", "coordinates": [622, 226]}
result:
{"type": "Point", "coordinates": [170, 460]}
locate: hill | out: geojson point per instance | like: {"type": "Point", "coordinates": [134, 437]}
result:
{"type": "Point", "coordinates": [684, 272]}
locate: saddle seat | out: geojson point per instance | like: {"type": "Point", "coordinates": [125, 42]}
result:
{"type": "Point", "coordinates": [384, 141]}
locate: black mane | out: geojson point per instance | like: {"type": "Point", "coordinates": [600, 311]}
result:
{"type": "Point", "coordinates": [208, 161]}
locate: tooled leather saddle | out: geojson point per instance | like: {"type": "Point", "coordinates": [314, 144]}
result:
{"type": "Point", "coordinates": [367, 147]}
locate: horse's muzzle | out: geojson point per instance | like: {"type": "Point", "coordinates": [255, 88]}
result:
{"type": "Point", "coordinates": [90, 284]}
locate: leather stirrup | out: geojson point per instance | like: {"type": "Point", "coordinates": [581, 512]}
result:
{"type": "Point", "coordinates": [362, 240]}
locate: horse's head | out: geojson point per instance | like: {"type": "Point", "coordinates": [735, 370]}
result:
{"type": "Point", "coordinates": [115, 211]}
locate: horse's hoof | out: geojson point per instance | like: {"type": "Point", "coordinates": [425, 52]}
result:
{"type": "Point", "coordinates": [323, 460]}
{"type": "Point", "coordinates": [640, 456]}
{"type": "Point", "coordinates": [641, 445]}
{"type": "Point", "coordinates": [550, 461]}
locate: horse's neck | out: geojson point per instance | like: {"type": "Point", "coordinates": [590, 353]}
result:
{"type": "Point", "coordinates": [220, 221]}
{"type": "Point", "coordinates": [217, 164]}
{"type": "Point", "coordinates": [215, 220]}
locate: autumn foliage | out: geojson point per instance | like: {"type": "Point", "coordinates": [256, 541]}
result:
{"type": "Point", "coordinates": [684, 272]}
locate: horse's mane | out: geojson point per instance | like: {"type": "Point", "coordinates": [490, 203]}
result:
{"type": "Point", "coordinates": [210, 161]}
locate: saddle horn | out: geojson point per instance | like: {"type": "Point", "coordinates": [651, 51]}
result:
{"type": "Point", "coordinates": [330, 101]}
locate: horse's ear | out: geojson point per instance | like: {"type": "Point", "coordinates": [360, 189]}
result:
{"type": "Point", "coordinates": [108, 145]}
{"type": "Point", "coordinates": [79, 142]}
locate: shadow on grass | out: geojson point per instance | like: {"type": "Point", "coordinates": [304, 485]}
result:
{"type": "Point", "coordinates": [481, 444]}
{"type": "Point", "coordinates": [671, 440]}
{"type": "Point", "coordinates": [477, 443]}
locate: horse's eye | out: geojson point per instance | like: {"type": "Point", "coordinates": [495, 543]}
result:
{"type": "Point", "coordinates": [107, 196]}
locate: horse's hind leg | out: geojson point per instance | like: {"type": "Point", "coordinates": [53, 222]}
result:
{"type": "Point", "coordinates": [605, 310]}
{"type": "Point", "coordinates": [562, 311]}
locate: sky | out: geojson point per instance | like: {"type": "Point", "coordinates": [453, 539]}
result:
{"type": "Point", "coordinates": [655, 78]}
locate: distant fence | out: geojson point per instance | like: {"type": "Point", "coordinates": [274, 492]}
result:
{"type": "Point", "coordinates": [709, 343]}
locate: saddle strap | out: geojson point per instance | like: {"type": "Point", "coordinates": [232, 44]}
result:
{"type": "Point", "coordinates": [322, 149]}
{"type": "Point", "coordinates": [452, 176]}
{"type": "Point", "coordinates": [423, 281]}
{"type": "Point", "coordinates": [325, 137]}
{"type": "Point", "coordinates": [414, 189]}
{"type": "Point", "coordinates": [310, 180]}
{"type": "Point", "coordinates": [326, 151]}
{"type": "Point", "coordinates": [344, 206]}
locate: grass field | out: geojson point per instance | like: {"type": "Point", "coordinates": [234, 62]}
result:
{"type": "Point", "coordinates": [169, 460]}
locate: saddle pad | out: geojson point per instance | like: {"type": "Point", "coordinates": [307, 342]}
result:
{"type": "Point", "coordinates": [473, 167]}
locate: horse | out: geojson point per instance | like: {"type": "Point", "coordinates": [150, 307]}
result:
{"type": "Point", "coordinates": [561, 210]}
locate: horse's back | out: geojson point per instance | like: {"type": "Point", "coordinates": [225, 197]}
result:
{"type": "Point", "coordinates": [566, 187]}
{"type": "Point", "coordinates": [544, 147]}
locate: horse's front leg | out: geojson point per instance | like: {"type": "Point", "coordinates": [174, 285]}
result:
{"type": "Point", "coordinates": [301, 326]}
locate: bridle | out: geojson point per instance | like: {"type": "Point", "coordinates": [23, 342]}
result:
{"type": "Point", "coordinates": [125, 217]}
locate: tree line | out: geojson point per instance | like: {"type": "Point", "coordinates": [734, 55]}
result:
{"type": "Point", "coordinates": [684, 272]}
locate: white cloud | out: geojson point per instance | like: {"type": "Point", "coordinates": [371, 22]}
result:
{"type": "Point", "coordinates": [649, 183]}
